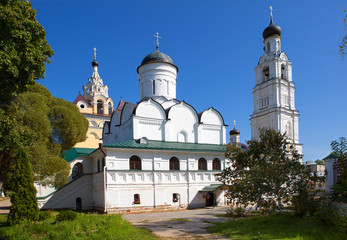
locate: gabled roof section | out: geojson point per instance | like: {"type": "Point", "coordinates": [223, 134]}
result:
{"type": "Point", "coordinates": [80, 98]}
{"type": "Point", "coordinates": [331, 155]}
{"type": "Point", "coordinates": [73, 153]}
{"type": "Point", "coordinates": [175, 146]}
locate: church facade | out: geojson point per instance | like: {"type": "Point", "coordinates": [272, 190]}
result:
{"type": "Point", "coordinates": [160, 152]}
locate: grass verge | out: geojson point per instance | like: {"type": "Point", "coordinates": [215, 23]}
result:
{"type": "Point", "coordinates": [85, 226]}
{"type": "Point", "coordinates": [277, 226]}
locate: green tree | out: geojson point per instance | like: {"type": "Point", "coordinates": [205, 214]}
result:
{"type": "Point", "coordinates": [268, 173]}
{"type": "Point", "coordinates": [23, 197]}
{"type": "Point", "coordinates": [343, 44]}
{"type": "Point", "coordinates": [339, 148]}
{"type": "Point", "coordinates": [24, 49]}
{"type": "Point", "coordinates": [53, 125]}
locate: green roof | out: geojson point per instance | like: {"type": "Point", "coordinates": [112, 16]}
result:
{"type": "Point", "coordinates": [331, 155]}
{"type": "Point", "coordinates": [176, 146]}
{"type": "Point", "coordinates": [73, 153]}
{"type": "Point", "coordinates": [211, 188]}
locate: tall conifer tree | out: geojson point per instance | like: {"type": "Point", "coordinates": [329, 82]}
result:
{"type": "Point", "coordinates": [23, 199]}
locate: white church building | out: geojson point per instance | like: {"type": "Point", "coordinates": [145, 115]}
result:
{"type": "Point", "coordinates": [160, 152]}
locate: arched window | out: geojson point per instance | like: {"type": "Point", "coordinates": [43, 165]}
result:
{"type": "Point", "coordinates": [283, 72]}
{"type": "Point", "coordinates": [110, 109]}
{"type": "Point", "coordinates": [78, 204]}
{"type": "Point", "coordinates": [202, 164]}
{"type": "Point", "coordinates": [266, 73]}
{"type": "Point", "coordinates": [98, 165]}
{"type": "Point", "coordinates": [100, 107]}
{"type": "Point", "coordinates": [137, 199]}
{"type": "Point", "coordinates": [268, 47]}
{"type": "Point", "coordinates": [289, 130]}
{"type": "Point", "coordinates": [216, 164]}
{"type": "Point", "coordinates": [174, 163]}
{"type": "Point", "coordinates": [135, 163]}
{"type": "Point", "coordinates": [77, 170]}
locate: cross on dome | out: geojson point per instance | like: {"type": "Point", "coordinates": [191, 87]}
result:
{"type": "Point", "coordinates": [157, 39]}
{"type": "Point", "coordinates": [271, 12]}
{"type": "Point", "coordinates": [94, 53]}
{"type": "Point", "coordinates": [234, 123]}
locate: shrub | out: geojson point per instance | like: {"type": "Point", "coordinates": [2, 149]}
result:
{"type": "Point", "coordinates": [326, 213]}
{"type": "Point", "coordinates": [43, 215]}
{"type": "Point", "coordinates": [305, 203]}
{"type": "Point", "coordinates": [67, 215]}
{"type": "Point", "coordinates": [342, 223]}
{"type": "Point", "coordinates": [236, 212]}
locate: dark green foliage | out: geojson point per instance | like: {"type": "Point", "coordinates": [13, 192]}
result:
{"type": "Point", "coordinates": [23, 48]}
{"type": "Point", "coordinates": [67, 215]}
{"type": "Point", "coordinates": [305, 203]}
{"type": "Point", "coordinates": [343, 44]}
{"type": "Point", "coordinates": [23, 197]}
{"type": "Point", "coordinates": [268, 174]}
{"type": "Point", "coordinates": [326, 213]}
{"type": "Point", "coordinates": [340, 149]}
{"type": "Point", "coordinates": [43, 215]}
{"type": "Point", "coordinates": [53, 125]}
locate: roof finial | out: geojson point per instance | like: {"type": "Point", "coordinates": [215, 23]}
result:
{"type": "Point", "coordinates": [94, 53]}
{"type": "Point", "coordinates": [157, 41]}
{"type": "Point", "coordinates": [271, 13]}
{"type": "Point", "coordinates": [234, 124]}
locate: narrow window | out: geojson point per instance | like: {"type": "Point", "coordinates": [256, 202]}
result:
{"type": "Point", "coordinates": [168, 87]}
{"type": "Point", "coordinates": [282, 71]}
{"type": "Point", "coordinates": [137, 199]}
{"type": "Point", "coordinates": [202, 164]}
{"type": "Point", "coordinates": [268, 47]}
{"type": "Point", "coordinates": [100, 107]}
{"type": "Point", "coordinates": [153, 87]}
{"type": "Point", "coordinates": [78, 204]}
{"type": "Point", "coordinates": [174, 163]}
{"type": "Point", "coordinates": [216, 164]}
{"type": "Point", "coordinates": [77, 170]}
{"type": "Point", "coordinates": [266, 74]}
{"type": "Point", "coordinates": [175, 197]}
{"type": "Point", "coordinates": [135, 163]}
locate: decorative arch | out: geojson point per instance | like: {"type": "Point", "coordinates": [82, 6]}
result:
{"type": "Point", "coordinates": [211, 116]}
{"type": "Point", "coordinates": [150, 108]}
{"type": "Point", "coordinates": [182, 136]}
{"type": "Point", "coordinates": [216, 165]}
{"type": "Point", "coordinates": [184, 105]}
{"type": "Point", "coordinates": [93, 124]}
{"type": "Point", "coordinates": [202, 164]}
{"type": "Point", "coordinates": [174, 163]}
{"type": "Point", "coordinates": [77, 170]}
{"type": "Point", "coordinates": [135, 163]}
{"type": "Point", "coordinates": [94, 135]}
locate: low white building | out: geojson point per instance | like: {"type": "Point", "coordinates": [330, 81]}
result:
{"type": "Point", "coordinates": [157, 153]}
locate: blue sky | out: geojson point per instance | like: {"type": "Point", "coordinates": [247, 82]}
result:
{"type": "Point", "coordinates": [215, 44]}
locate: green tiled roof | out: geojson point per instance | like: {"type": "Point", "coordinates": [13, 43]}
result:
{"type": "Point", "coordinates": [73, 153]}
{"type": "Point", "coordinates": [211, 188]}
{"type": "Point", "coordinates": [177, 146]}
{"type": "Point", "coordinates": [331, 155]}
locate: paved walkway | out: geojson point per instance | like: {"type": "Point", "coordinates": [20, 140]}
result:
{"type": "Point", "coordinates": [179, 225]}
{"type": "Point", "coordinates": [5, 205]}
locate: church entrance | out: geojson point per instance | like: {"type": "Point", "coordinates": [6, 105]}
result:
{"type": "Point", "coordinates": [210, 202]}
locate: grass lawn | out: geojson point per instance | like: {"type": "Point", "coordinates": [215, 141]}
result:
{"type": "Point", "coordinates": [85, 226]}
{"type": "Point", "coordinates": [276, 227]}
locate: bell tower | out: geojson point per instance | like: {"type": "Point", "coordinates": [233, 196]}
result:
{"type": "Point", "coordinates": [274, 91]}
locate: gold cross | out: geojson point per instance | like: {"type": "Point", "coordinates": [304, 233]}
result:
{"type": "Point", "coordinates": [94, 53]}
{"type": "Point", "coordinates": [157, 41]}
{"type": "Point", "coordinates": [271, 12]}
{"type": "Point", "coordinates": [234, 123]}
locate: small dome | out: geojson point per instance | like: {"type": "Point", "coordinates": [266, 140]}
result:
{"type": "Point", "coordinates": [234, 132]}
{"type": "Point", "coordinates": [95, 63]}
{"type": "Point", "coordinates": [271, 30]}
{"type": "Point", "coordinates": [157, 57]}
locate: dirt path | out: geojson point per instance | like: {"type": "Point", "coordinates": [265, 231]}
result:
{"type": "Point", "coordinates": [5, 205]}
{"type": "Point", "coordinates": [183, 224]}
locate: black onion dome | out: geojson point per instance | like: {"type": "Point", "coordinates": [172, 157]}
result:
{"type": "Point", "coordinates": [95, 63]}
{"type": "Point", "coordinates": [234, 132]}
{"type": "Point", "coordinates": [157, 57]}
{"type": "Point", "coordinates": [271, 30]}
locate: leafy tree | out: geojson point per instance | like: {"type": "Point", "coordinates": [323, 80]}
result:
{"type": "Point", "coordinates": [54, 125]}
{"type": "Point", "coordinates": [343, 44]}
{"type": "Point", "coordinates": [23, 197]}
{"type": "Point", "coordinates": [339, 148]}
{"type": "Point", "coordinates": [24, 49]}
{"type": "Point", "coordinates": [269, 171]}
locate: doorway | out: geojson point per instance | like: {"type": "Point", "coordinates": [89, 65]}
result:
{"type": "Point", "coordinates": [210, 202]}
